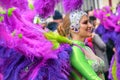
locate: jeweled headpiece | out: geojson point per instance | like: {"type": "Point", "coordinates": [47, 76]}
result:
{"type": "Point", "coordinates": [73, 7]}
{"type": "Point", "coordinates": [75, 17]}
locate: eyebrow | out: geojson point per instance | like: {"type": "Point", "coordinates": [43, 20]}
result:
{"type": "Point", "coordinates": [85, 20]}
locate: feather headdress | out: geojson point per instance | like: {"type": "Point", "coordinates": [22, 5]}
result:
{"type": "Point", "coordinates": [21, 4]}
{"type": "Point", "coordinates": [45, 7]}
{"type": "Point", "coordinates": [71, 5]}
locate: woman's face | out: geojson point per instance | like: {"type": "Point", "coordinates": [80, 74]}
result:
{"type": "Point", "coordinates": [85, 27]}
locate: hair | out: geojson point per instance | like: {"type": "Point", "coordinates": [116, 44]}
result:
{"type": "Point", "coordinates": [64, 28]}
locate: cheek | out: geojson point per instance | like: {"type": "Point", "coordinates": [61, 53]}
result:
{"type": "Point", "coordinates": [83, 29]}
{"type": "Point", "coordinates": [84, 33]}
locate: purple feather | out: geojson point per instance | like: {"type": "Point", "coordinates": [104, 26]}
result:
{"type": "Point", "coordinates": [71, 5]}
{"type": "Point", "coordinates": [17, 66]}
{"type": "Point", "coordinates": [1, 76]}
{"type": "Point", "coordinates": [100, 30]}
{"type": "Point", "coordinates": [30, 45]}
{"type": "Point", "coordinates": [117, 55]}
{"type": "Point", "coordinates": [21, 4]}
{"type": "Point", "coordinates": [109, 26]}
{"type": "Point", "coordinates": [30, 15]}
{"type": "Point", "coordinates": [106, 16]}
{"type": "Point", "coordinates": [32, 42]}
{"type": "Point", "coordinates": [118, 47]}
{"type": "Point", "coordinates": [106, 37]}
{"type": "Point", "coordinates": [45, 8]}
{"type": "Point", "coordinates": [117, 23]}
{"type": "Point", "coordinates": [110, 69]}
{"type": "Point", "coordinates": [113, 36]}
{"type": "Point", "coordinates": [107, 9]}
{"type": "Point", "coordinates": [118, 60]}
{"type": "Point", "coordinates": [118, 67]}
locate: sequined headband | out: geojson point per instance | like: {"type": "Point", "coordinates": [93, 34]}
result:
{"type": "Point", "coordinates": [75, 17]}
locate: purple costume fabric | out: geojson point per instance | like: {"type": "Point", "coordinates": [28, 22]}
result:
{"type": "Point", "coordinates": [15, 66]}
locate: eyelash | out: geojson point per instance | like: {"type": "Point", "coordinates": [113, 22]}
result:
{"type": "Point", "coordinates": [85, 22]}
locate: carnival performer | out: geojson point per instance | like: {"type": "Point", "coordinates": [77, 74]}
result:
{"type": "Point", "coordinates": [77, 27]}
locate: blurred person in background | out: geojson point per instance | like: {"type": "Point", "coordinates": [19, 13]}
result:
{"type": "Point", "coordinates": [57, 19]}
{"type": "Point", "coordinates": [96, 43]}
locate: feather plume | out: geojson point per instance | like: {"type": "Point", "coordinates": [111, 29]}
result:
{"type": "Point", "coordinates": [45, 7]}
{"type": "Point", "coordinates": [71, 5]}
{"type": "Point", "coordinates": [21, 4]}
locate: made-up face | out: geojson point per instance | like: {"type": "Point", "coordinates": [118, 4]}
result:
{"type": "Point", "coordinates": [85, 29]}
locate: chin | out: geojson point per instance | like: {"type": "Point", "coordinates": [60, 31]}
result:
{"type": "Point", "coordinates": [89, 35]}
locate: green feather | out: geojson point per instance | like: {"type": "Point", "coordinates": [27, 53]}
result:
{"type": "Point", "coordinates": [10, 10]}
{"type": "Point", "coordinates": [55, 44]}
{"type": "Point", "coordinates": [56, 39]}
{"type": "Point", "coordinates": [114, 70]}
{"type": "Point", "coordinates": [20, 35]}
{"type": "Point", "coordinates": [1, 18]}
{"type": "Point", "coordinates": [31, 6]}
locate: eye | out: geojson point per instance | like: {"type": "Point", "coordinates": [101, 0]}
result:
{"type": "Point", "coordinates": [85, 22]}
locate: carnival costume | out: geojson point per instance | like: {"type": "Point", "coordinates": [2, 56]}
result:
{"type": "Point", "coordinates": [27, 52]}
{"type": "Point", "coordinates": [79, 61]}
